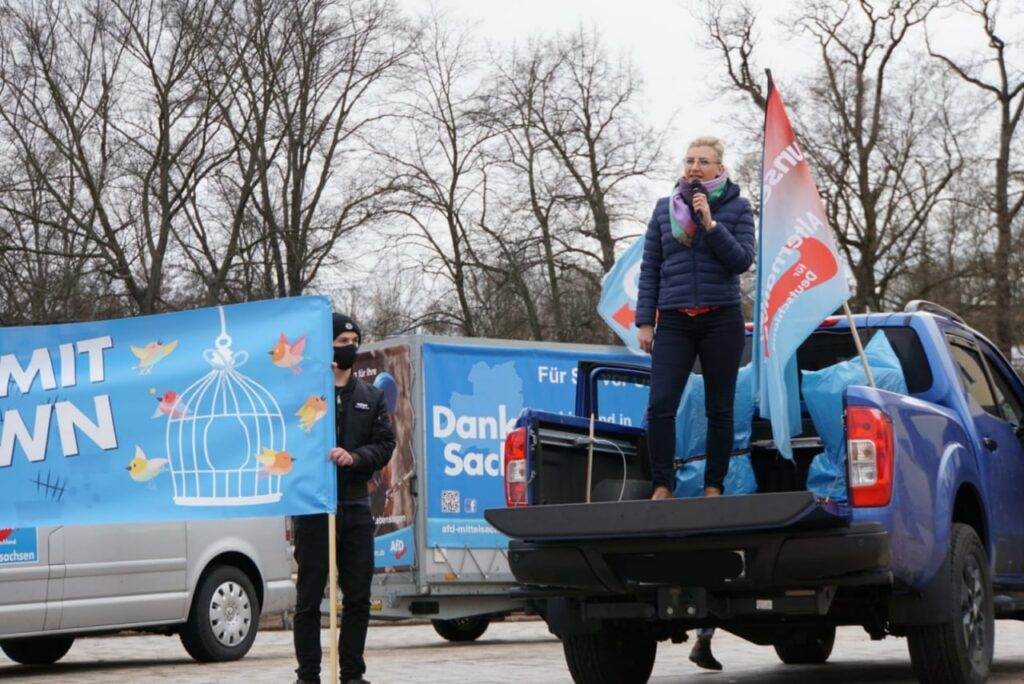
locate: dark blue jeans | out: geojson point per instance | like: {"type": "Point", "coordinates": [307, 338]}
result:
{"type": "Point", "coordinates": [717, 338]}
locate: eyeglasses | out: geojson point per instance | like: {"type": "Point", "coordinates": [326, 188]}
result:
{"type": "Point", "coordinates": [703, 163]}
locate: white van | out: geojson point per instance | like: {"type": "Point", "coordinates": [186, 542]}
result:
{"type": "Point", "coordinates": [207, 581]}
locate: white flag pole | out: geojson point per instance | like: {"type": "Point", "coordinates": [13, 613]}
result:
{"type": "Point", "coordinates": [332, 594]}
{"type": "Point", "coordinates": [860, 347]}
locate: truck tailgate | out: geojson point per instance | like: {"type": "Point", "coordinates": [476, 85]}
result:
{"type": "Point", "coordinates": [669, 518]}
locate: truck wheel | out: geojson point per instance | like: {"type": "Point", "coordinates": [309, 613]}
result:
{"type": "Point", "coordinates": [614, 655]}
{"type": "Point", "coordinates": [37, 650]}
{"type": "Point", "coordinates": [462, 629]}
{"type": "Point", "coordinates": [959, 650]}
{"type": "Point", "coordinates": [806, 645]}
{"type": "Point", "coordinates": [224, 616]}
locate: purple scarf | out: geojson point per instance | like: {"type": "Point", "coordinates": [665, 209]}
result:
{"type": "Point", "coordinates": [684, 228]}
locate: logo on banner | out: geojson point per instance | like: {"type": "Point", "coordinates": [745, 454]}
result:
{"type": "Point", "coordinates": [18, 545]}
{"type": "Point", "coordinates": [808, 263]}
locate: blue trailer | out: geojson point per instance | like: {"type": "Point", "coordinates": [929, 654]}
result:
{"type": "Point", "coordinates": [453, 402]}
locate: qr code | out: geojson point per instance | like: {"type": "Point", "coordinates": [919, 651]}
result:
{"type": "Point", "coordinates": [450, 501]}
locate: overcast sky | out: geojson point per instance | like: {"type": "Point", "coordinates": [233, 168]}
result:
{"type": "Point", "coordinates": [663, 39]}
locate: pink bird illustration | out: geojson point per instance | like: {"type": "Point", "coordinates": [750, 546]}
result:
{"type": "Point", "coordinates": [166, 405]}
{"type": "Point", "coordinates": [285, 355]}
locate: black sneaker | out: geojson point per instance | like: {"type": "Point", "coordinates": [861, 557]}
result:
{"type": "Point", "coordinates": [356, 681]}
{"type": "Point", "coordinates": [701, 655]}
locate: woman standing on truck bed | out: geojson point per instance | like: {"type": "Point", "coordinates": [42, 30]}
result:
{"type": "Point", "coordinates": [699, 240]}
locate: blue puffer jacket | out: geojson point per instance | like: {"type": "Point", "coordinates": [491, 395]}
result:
{"type": "Point", "coordinates": [673, 276]}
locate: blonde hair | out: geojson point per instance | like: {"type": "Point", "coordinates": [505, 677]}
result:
{"type": "Point", "coordinates": [709, 141]}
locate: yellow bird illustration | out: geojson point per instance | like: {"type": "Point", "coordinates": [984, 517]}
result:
{"type": "Point", "coordinates": [152, 354]}
{"type": "Point", "coordinates": [275, 462]}
{"type": "Point", "coordinates": [313, 410]}
{"type": "Point", "coordinates": [143, 469]}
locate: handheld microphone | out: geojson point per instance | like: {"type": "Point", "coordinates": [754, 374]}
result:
{"type": "Point", "coordinates": [697, 188]}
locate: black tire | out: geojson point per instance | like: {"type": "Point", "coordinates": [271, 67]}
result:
{"type": "Point", "coordinates": [615, 655]}
{"type": "Point", "coordinates": [37, 650]}
{"type": "Point", "coordinates": [224, 616]}
{"type": "Point", "coordinates": [959, 651]}
{"type": "Point", "coordinates": [806, 645]}
{"type": "Point", "coordinates": [462, 629]}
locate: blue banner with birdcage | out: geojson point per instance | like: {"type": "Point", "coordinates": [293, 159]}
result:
{"type": "Point", "coordinates": [211, 413]}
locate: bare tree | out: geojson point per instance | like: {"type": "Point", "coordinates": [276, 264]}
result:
{"type": "Point", "coordinates": [537, 177]}
{"type": "Point", "coordinates": [439, 168]}
{"type": "Point", "coordinates": [882, 144]}
{"type": "Point", "coordinates": [318, 180]}
{"type": "Point", "coordinates": [587, 109]}
{"type": "Point", "coordinates": [1006, 88]}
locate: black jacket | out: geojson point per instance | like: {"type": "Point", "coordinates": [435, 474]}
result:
{"type": "Point", "coordinates": [364, 430]}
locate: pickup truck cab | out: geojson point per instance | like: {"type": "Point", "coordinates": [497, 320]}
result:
{"type": "Point", "coordinates": [929, 545]}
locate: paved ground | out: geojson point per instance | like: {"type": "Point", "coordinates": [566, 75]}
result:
{"type": "Point", "coordinates": [508, 652]}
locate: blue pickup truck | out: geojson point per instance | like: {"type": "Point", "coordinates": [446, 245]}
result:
{"type": "Point", "coordinates": [928, 544]}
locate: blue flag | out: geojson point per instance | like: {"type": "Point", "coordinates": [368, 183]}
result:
{"type": "Point", "coordinates": [618, 295]}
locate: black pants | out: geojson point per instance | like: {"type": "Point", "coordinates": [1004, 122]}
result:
{"type": "Point", "coordinates": [717, 338]}
{"type": "Point", "coordinates": [355, 573]}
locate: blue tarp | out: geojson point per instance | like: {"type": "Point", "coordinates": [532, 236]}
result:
{"type": "Point", "coordinates": [692, 433]}
{"type": "Point", "coordinates": [823, 392]}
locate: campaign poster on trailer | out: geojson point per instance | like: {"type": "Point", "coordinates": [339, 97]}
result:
{"type": "Point", "coordinates": [391, 501]}
{"type": "Point", "coordinates": [473, 396]}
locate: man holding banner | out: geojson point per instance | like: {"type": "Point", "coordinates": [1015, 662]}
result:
{"type": "Point", "coordinates": [364, 443]}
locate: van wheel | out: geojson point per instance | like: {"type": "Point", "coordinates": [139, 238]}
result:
{"type": "Point", "coordinates": [959, 650]}
{"type": "Point", "coordinates": [617, 654]}
{"type": "Point", "coordinates": [37, 650]}
{"type": "Point", "coordinates": [806, 645]}
{"type": "Point", "coordinates": [224, 616]}
{"type": "Point", "coordinates": [462, 629]}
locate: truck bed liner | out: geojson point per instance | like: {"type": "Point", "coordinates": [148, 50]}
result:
{"type": "Point", "coordinates": [672, 517]}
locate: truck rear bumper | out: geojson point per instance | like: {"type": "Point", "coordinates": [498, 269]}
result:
{"type": "Point", "coordinates": [850, 556]}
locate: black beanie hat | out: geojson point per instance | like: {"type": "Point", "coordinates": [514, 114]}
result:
{"type": "Point", "coordinates": [342, 323]}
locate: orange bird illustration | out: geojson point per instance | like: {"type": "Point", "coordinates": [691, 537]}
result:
{"type": "Point", "coordinates": [285, 355]}
{"type": "Point", "coordinates": [275, 462]}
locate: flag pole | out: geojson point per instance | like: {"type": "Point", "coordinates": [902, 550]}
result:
{"type": "Point", "coordinates": [332, 583]}
{"type": "Point", "coordinates": [860, 347]}
{"type": "Point", "coordinates": [756, 350]}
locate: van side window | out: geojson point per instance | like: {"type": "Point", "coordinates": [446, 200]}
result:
{"type": "Point", "coordinates": [973, 375]}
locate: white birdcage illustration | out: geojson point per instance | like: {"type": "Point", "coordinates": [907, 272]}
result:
{"type": "Point", "coordinates": [215, 430]}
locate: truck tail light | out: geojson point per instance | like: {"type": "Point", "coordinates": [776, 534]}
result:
{"type": "Point", "coordinates": [515, 468]}
{"type": "Point", "coordinates": [869, 456]}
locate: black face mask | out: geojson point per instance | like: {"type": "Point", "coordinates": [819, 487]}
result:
{"type": "Point", "coordinates": [345, 356]}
